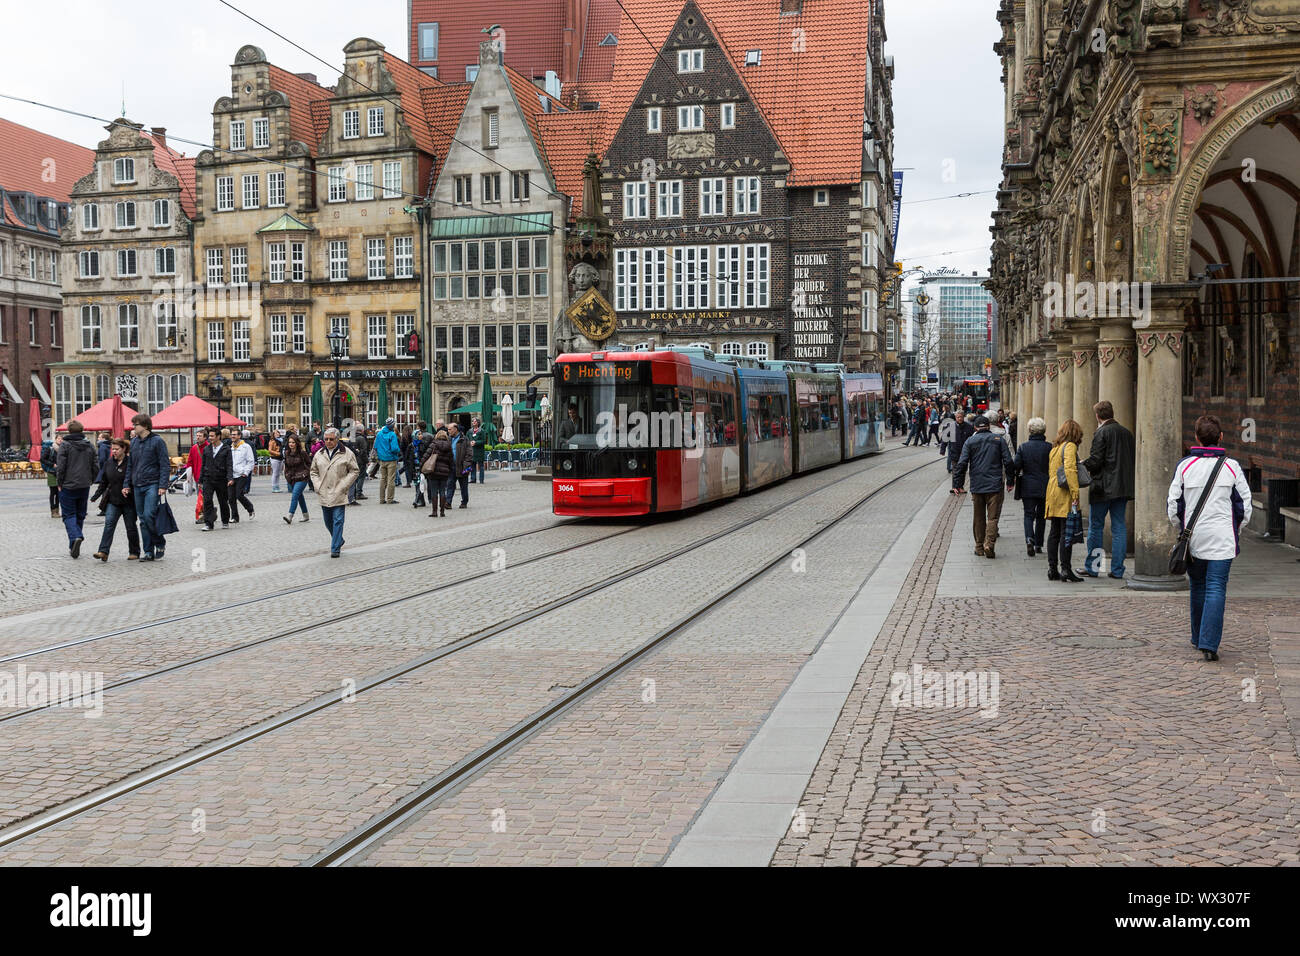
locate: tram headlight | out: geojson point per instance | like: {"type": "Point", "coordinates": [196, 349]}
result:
{"type": "Point", "coordinates": [567, 464]}
{"type": "Point", "coordinates": [631, 464]}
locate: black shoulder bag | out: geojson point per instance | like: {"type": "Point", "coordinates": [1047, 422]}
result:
{"type": "Point", "coordinates": [1178, 555]}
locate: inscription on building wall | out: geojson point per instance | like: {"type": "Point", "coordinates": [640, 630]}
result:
{"type": "Point", "coordinates": [814, 284]}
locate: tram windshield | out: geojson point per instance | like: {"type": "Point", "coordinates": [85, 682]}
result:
{"type": "Point", "coordinates": [594, 416]}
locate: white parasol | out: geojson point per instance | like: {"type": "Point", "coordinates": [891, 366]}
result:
{"type": "Point", "coordinates": [507, 416]}
{"type": "Point", "coordinates": [545, 407]}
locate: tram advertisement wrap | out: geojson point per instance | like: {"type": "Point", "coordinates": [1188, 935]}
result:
{"type": "Point", "coordinates": [815, 293]}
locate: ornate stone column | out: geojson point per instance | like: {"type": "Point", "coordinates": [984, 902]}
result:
{"type": "Point", "coordinates": [1024, 394]}
{"type": "Point", "coordinates": [1159, 433]}
{"type": "Point", "coordinates": [1083, 356]}
{"type": "Point", "coordinates": [1117, 359]}
{"type": "Point", "coordinates": [1051, 396]}
{"type": "Point", "coordinates": [1064, 377]}
{"type": "Point", "coordinates": [1039, 369]}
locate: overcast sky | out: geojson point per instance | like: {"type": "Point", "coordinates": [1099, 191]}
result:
{"type": "Point", "coordinates": [170, 62]}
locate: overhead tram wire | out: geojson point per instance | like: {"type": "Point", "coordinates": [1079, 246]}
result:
{"type": "Point", "coordinates": [394, 104]}
{"type": "Point", "coordinates": [401, 193]}
{"type": "Point", "coordinates": [916, 202]}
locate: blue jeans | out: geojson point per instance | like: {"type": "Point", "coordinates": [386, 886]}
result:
{"type": "Point", "coordinates": [115, 511]}
{"type": "Point", "coordinates": [295, 497]}
{"type": "Point", "coordinates": [477, 469]}
{"type": "Point", "coordinates": [1209, 581]}
{"type": "Point", "coordinates": [1097, 511]}
{"type": "Point", "coordinates": [72, 504]}
{"type": "Point", "coordinates": [334, 522]}
{"type": "Point", "coordinates": [146, 509]}
{"type": "Point", "coordinates": [1035, 526]}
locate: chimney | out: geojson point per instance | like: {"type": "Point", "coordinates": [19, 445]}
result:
{"type": "Point", "coordinates": [309, 77]}
{"type": "Point", "coordinates": [160, 134]}
{"type": "Point", "coordinates": [792, 6]}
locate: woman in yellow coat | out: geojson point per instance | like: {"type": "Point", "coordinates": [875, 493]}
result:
{"type": "Point", "coordinates": [1060, 500]}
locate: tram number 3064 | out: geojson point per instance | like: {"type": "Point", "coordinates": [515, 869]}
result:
{"type": "Point", "coordinates": [566, 488]}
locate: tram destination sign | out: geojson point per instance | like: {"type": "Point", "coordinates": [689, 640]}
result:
{"type": "Point", "coordinates": [815, 294]}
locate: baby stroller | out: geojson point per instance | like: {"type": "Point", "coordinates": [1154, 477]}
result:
{"type": "Point", "coordinates": [180, 482]}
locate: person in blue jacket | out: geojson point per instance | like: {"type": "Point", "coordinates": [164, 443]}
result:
{"type": "Point", "coordinates": [389, 452]}
{"type": "Point", "coordinates": [147, 474]}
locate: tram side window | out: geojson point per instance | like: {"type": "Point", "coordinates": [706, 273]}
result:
{"type": "Point", "coordinates": [717, 418]}
{"type": "Point", "coordinates": [832, 404]}
{"type": "Point", "coordinates": [728, 418]}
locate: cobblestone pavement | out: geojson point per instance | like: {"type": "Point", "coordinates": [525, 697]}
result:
{"type": "Point", "coordinates": [318, 777]}
{"type": "Point", "coordinates": [1132, 754]}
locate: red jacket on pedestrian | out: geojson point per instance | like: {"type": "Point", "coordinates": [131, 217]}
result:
{"type": "Point", "coordinates": [195, 461]}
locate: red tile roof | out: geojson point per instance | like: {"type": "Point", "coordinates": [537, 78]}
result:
{"type": "Point", "coordinates": [443, 106]}
{"type": "Point", "coordinates": [302, 93]}
{"type": "Point", "coordinates": [533, 33]}
{"type": "Point", "coordinates": [411, 82]}
{"type": "Point", "coordinates": [813, 98]}
{"type": "Point", "coordinates": [569, 137]}
{"type": "Point", "coordinates": [180, 166]}
{"type": "Point", "coordinates": [36, 162]}
{"type": "Point", "coordinates": [597, 65]}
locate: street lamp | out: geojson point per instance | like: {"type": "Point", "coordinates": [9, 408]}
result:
{"type": "Point", "coordinates": [338, 340]}
{"type": "Point", "coordinates": [217, 389]}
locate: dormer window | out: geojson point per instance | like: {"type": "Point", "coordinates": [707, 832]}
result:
{"type": "Point", "coordinates": [690, 61]}
{"type": "Point", "coordinates": [753, 57]}
{"type": "Point", "coordinates": [610, 40]}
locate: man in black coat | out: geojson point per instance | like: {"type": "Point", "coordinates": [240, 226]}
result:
{"type": "Point", "coordinates": [957, 431]}
{"type": "Point", "coordinates": [1112, 463]}
{"type": "Point", "coordinates": [1032, 460]}
{"type": "Point", "coordinates": [75, 468]}
{"type": "Point", "coordinates": [217, 479]}
{"type": "Point", "coordinates": [989, 458]}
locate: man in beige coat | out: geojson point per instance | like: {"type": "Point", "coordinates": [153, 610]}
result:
{"type": "Point", "coordinates": [333, 470]}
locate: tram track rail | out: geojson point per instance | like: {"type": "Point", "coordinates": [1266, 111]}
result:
{"type": "Point", "coordinates": [348, 847]}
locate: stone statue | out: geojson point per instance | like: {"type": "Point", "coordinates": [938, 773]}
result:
{"type": "Point", "coordinates": [583, 276]}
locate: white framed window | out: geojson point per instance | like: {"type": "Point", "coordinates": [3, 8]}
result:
{"type": "Point", "coordinates": [713, 196]}
{"type": "Point", "coordinates": [519, 187]}
{"type": "Point", "coordinates": [377, 336]}
{"type": "Point", "coordinates": [126, 265]}
{"type": "Point", "coordinates": [244, 407]}
{"type": "Point", "coordinates": [31, 264]}
{"type": "Point", "coordinates": [239, 265]}
{"type": "Point", "coordinates": [240, 340]}
{"type": "Point", "coordinates": [726, 274]}
{"type": "Point", "coordinates": [275, 189]}
{"type": "Point", "coordinates": [870, 311]}
{"type": "Point", "coordinates": [891, 336]}
{"type": "Point", "coordinates": [746, 192]}
{"type": "Point", "coordinates": [274, 413]}
{"type": "Point", "coordinates": [690, 61]}
{"type": "Point", "coordinates": [341, 325]}
{"type": "Point", "coordinates": [216, 341]}
{"type": "Point", "coordinates": [732, 348]}
{"type": "Point", "coordinates": [338, 260]}
{"type": "Point", "coordinates": [757, 278]}
{"type": "Point", "coordinates": [128, 327]}
{"type": "Point", "coordinates": [376, 259]}
{"type": "Point", "coordinates": [757, 350]}
{"type": "Point", "coordinates": [636, 199]}
{"type": "Point", "coordinates": [279, 333]}
{"type": "Point", "coordinates": [178, 386]}
{"type": "Point", "coordinates": [89, 216]}
{"type": "Point", "coordinates": [491, 187]}
{"type": "Point", "coordinates": [393, 179]}
{"type": "Point", "coordinates": [164, 261]}
{"type": "Point", "coordinates": [162, 212]}
{"type": "Point", "coordinates": [654, 119]}
{"type": "Point", "coordinates": [869, 193]}
{"type": "Point", "coordinates": [92, 329]}
{"type": "Point", "coordinates": [338, 186]}
{"type": "Point", "coordinates": [225, 193]}
{"type": "Point", "coordinates": [156, 390]}
{"type": "Point", "coordinates": [88, 265]}
{"type": "Point", "coordinates": [821, 197]}
{"type": "Point", "coordinates": [124, 170]}
{"type": "Point", "coordinates": [54, 267]}
{"type": "Point", "coordinates": [627, 286]}
{"type": "Point", "coordinates": [654, 277]}
{"type": "Point", "coordinates": [102, 391]}
{"type": "Point", "coordinates": [297, 262]}
{"type": "Point", "coordinates": [753, 57]}
{"type": "Point", "coordinates": [691, 277]}
{"type": "Point", "coordinates": [82, 399]}
{"type": "Point", "coordinates": [166, 328]}
{"type": "Point", "coordinates": [304, 412]}
{"type": "Point", "coordinates": [351, 124]}
{"type": "Point", "coordinates": [237, 138]}
{"type": "Point", "coordinates": [261, 133]}
{"type": "Point", "coordinates": [669, 198]}
{"type": "Point", "coordinates": [428, 34]}
{"type": "Point", "coordinates": [375, 121]}
{"type": "Point", "coordinates": [62, 397]}
{"type": "Point", "coordinates": [403, 257]}
{"type": "Point", "coordinates": [492, 135]}
{"type": "Point", "coordinates": [364, 185]}
{"type": "Point", "coordinates": [124, 215]}
{"type": "Point", "coordinates": [464, 190]}
{"type": "Point", "coordinates": [275, 262]}
{"type": "Point", "coordinates": [252, 184]}
{"type": "Point", "coordinates": [471, 73]}
{"type": "Point", "coordinates": [403, 326]}
{"type": "Point", "coordinates": [870, 251]}
{"type": "Point", "coordinates": [727, 116]}
{"type": "Point", "coordinates": [690, 117]}
{"type": "Point", "coordinates": [298, 339]}
{"type": "Point", "coordinates": [216, 266]}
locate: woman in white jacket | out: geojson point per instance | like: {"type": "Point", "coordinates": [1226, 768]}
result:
{"type": "Point", "coordinates": [1214, 541]}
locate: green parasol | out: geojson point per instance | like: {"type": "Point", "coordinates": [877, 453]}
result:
{"type": "Point", "coordinates": [317, 400]}
{"type": "Point", "coordinates": [383, 402]}
{"type": "Point", "coordinates": [426, 397]}
{"type": "Point", "coordinates": [487, 409]}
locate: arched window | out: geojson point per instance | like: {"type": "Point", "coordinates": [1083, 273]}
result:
{"type": "Point", "coordinates": [157, 396]}
{"type": "Point", "coordinates": [757, 350]}
{"type": "Point", "coordinates": [178, 386]}
{"type": "Point", "coordinates": [81, 399]}
{"type": "Point", "coordinates": [62, 399]}
{"type": "Point", "coordinates": [731, 348]}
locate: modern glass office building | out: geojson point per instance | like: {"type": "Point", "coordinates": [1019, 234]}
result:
{"type": "Point", "coordinates": [968, 326]}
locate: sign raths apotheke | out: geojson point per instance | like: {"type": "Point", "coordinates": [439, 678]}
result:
{"type": "Point", "coordinates": [816, 309]}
